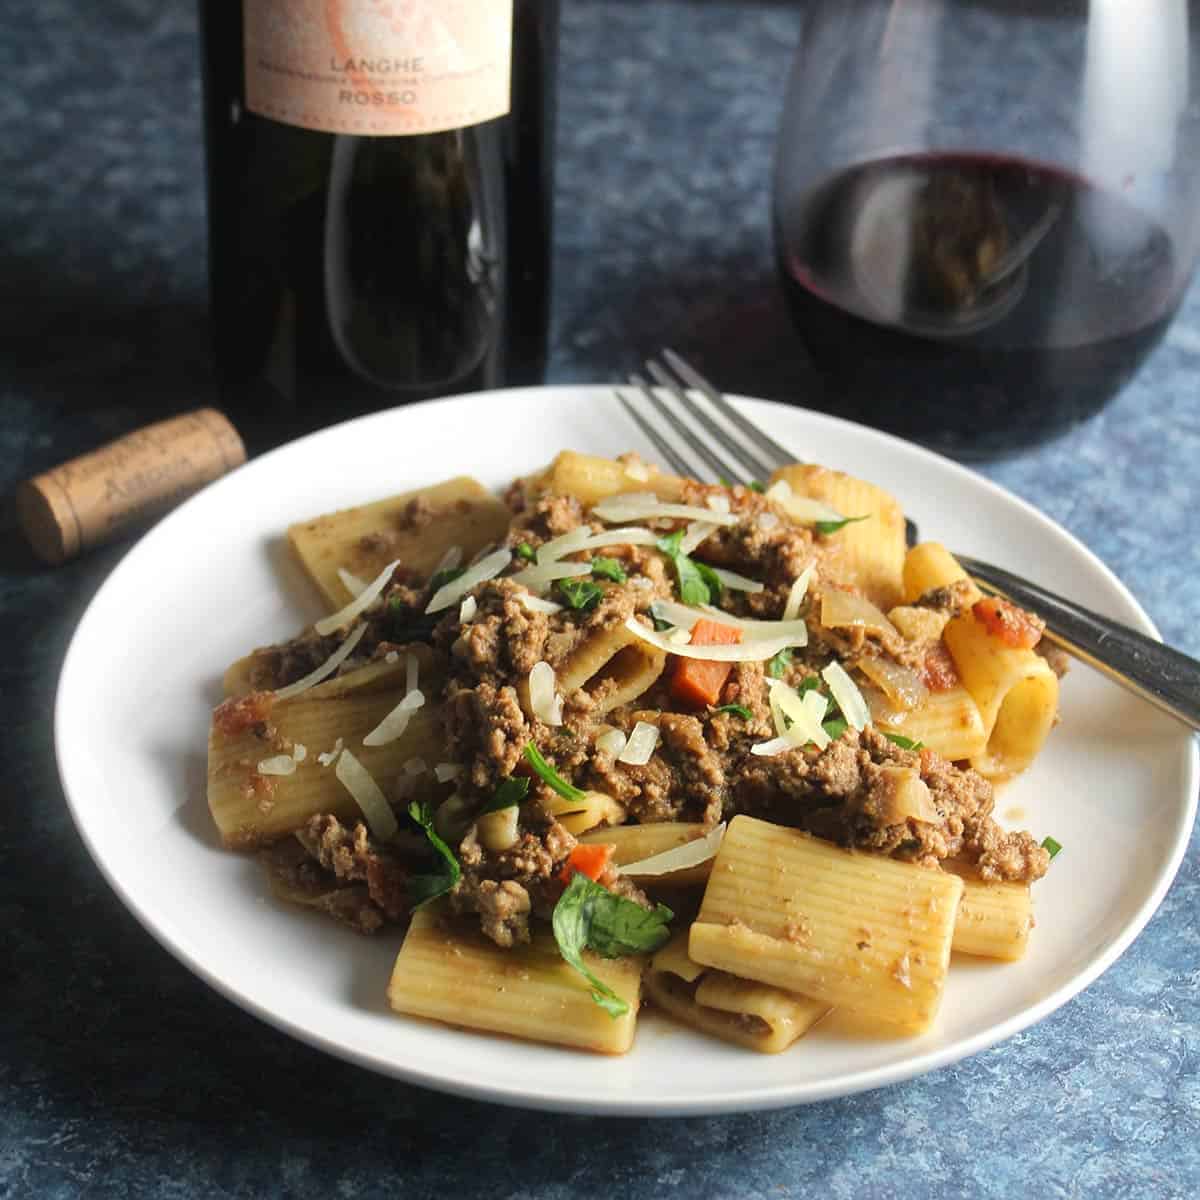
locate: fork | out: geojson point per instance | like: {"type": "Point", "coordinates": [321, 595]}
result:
{"type": "Point", "coordinates": [1166, 678]}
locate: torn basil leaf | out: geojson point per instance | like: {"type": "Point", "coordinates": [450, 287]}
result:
{"type": "Point", "coordinates": [828, 527]}
{"type": "Point", "coordinates": [609, 568]}
{"type": "Point", "coordinates": [580, 594]}
{"type": "Point", "coordinates": [423, 888]}
{"type": "Point", "coordinates": [511, 791]}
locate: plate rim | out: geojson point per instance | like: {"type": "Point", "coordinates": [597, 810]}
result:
{"type": "Point", "coordinates": [745, 1100]}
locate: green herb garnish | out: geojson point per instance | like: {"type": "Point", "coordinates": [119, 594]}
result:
{"type": "Point", "coordinates": [609, 568]}
{"type": "Point", "coordinates": [550, 777]}
{"type": "Point", "coordinates": [580, 594]}
{"type": "Point", "coordinates": [777, 668]}
{"type": "Point", "coordinates": [810, 683]}
{"type": "Point", "coordinates": [588, 916]}
{"type": "Point", "coordinates": [526, 551]}
{"type": "Point", "coordinates": [510, 792]}
{"type": "Point", "coordinates": [423, 888]}
{"type": "Point", "coordinates": [448, 575]}
{"type": "Point", "coordinates": [755, 486]}
{"type": "Point", "coordinates": [698, 583]}
{"type": "Point", "coordinates": [1051, 846]}
{"type": "Point", "coordinates": [900, 740]}
{"type": "Point", "coordinates": [659, 624]}
{"type": "Point", "coordinates": [835, 727]}
{"type": "Point", "coordinates": [737, 710]}
{"type": "Point", "coordinates": [828, 527]}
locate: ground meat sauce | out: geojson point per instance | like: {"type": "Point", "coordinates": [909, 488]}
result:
{"type": "Point", "coordinates": [702, 770]}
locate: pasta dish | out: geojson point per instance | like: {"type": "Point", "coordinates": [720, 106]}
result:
{"type": "Point", "coordinates": [623, 738]}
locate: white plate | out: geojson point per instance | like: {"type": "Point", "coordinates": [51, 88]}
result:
{"type": "Point", "coordinates": [1117, 784]}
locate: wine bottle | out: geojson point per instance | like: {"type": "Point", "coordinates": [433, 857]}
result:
{"type": "Point", "coordinates": [379, 201]}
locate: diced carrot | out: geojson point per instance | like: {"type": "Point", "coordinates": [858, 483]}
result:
{"type": "Point", "coordinates": [588, 858]}
{"type": "Point", "coordinates": [697, 681]}
{"type": "Point", "coordinates": [1012, 625]}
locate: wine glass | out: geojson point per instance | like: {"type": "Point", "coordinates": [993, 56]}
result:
{"type": "Point", "coordinates": [986, 212]}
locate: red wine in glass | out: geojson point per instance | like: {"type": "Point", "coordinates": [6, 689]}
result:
{"type": "Point", "coordinates": [978, 304]}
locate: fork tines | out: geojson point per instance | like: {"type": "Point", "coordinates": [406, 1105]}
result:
{"type": "Point", "coordinates": [680, 384]}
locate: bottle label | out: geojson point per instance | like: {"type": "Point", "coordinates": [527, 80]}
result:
{"type": "Point", "coordinates": [378, 67]}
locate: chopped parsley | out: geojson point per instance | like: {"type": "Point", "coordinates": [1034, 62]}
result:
{"type": "Point", "coordinates": [423, 888]}
{"type": "Point", "coordinates": [441, 578]}
{"type": "Point", "coordinates": [900, 740]}
{"type": "Point", "coordinates": [526, 551]}
{"type": "Point", "coordinates": [1051, 846]}
{"type": "Point", "coordinates": [588, 916]}
{"type": "Point", "coordinates": [698, 582]}
{"type": "Point", "coordinates": [737, 710]}
{"type": "Point", "coordinates": [609, 568]}
{"type": "Point", "coordinates": [580, 594]}
{"type": "Point", "coordinates": [510, 792]}
{"type": "Point", "coordinates": [777, 668]}
{"type": "Point", "coordinates": [550, 776]}
{"type": "Point", "coordinates": [810, 683]}
{"type": "Point", "coordinates": [835, 727]}
{"type": "Point", "coordinates": [755, 486]}
{"type": "Point", "coordinates": [659, 624]}
{"type": "Point", "coordinates": [828, 527]}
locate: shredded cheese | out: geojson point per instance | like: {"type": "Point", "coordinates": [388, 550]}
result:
{"type": "Point", "coordinates": [752, 650]}
{"type": "Point", "coordinates": [850, 699]}
{"type": "Point", "coordinates": [537, 604]}
{"type": "Point", "coordinates": [280, 764]}
{"type": "Point", "coordinates": [328, 667]}
{"type": "Point", "coordinates": [738, 583]}
{"type": "Point", "coordinates": [791, 610]}
{"type": "Point", "coordinates": [643, 741]}
{"type": "Point", "coordinates": [467, 610]}
{"type": "Point", "coordinates": [328, 757]}
{"type": "Point", "coordinates": [358, 781]}
{"type": "Point", "coordinates": [487, 567]}
{"type": "Point", "coordinates": [350, 581]}
{"type": "Point", "coordinates": [640, 506]}
{"type": "Point", "coordinates": [445, 771]}
{"type": "Point", "coordinates": [359, 604]}
{"type": "Point", "coordinates": [612, 742]}
{"type": "Point", "coordinates": [678, 858]}
{"type": "Point", "coordinates": [544, 700]}
{"type": "Point", "coordinates": [696, 533]}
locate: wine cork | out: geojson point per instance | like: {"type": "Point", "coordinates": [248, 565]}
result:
{"type": "Point", "coordinates": [91, 499]}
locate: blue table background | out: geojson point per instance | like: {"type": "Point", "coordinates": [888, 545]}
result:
{"type": "Point", "coordinates": [123, 1075]}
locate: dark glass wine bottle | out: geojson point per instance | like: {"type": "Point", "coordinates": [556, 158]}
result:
{"type": "Point", "coordinates": [379, 197]}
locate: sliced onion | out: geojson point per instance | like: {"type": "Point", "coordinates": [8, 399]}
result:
{"type": "Point", "coordinates": [840, 610]}
{"type": "Point", "coordinates": [360, 603]}
{"type": "Point", "coordinates": [487, 567]}
{"type": "Point", "coordinates": [445, 771]}
{"type": "Point", "coordinates": [448, 561]}
{"type": "Point", "coordinates": [544, 699]}
{"type": "Point", "coordinates": [773, 748]}
{"type": "Point", "coordinates": [280, 764]}
{"type": "Point", "coordinates": [738, 583]}
{"type": "Point", "coordinates": [696, 532]}
{"type": "Point", "coordinates": [612, 742]}
{"type": "Point", "coordinates": [537, 604]}
{"type": "Point", "coordinates": [678, 858]}
{"type": "Point", "coordinates": [467, 610]}
{"type": "Point", "coordinates": [299, 752]}
{"type": "Point", "coordinates": [904, 796]}
{"type": "Point", "coordinates": [791, 610]}
{"type": "Point", "coordinates": [901, 685]}
{"type": "Point", "coordinates": [717, 503]}
{"type": "Point", "coordinates": [746, 651]}
{"type": "Point", "coordinates": [849, 698]}
{"type": "Point", "coordinates": [643, 741]}
{"type": "Point", "coordinates": [351, 582]}
{"type": "Point", "coordinates": [328, 667]}
{"type": "Point", "coordinates": [396, 722]}
{"type": "Point", "coordinates": [544, 573]}
{"type": "Point", "coordinates": [358, 781]}
{"type": "Point", "coordinates": [642, 506]}
{"type": "Point", "coordinates": [328, 757]}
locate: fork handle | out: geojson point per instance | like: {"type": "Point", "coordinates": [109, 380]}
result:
{"type": "Point", "coordinates": [1167, 678]}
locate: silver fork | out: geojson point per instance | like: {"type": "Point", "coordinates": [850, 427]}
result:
{"type": "Point", "coordinates": [1167, 678]}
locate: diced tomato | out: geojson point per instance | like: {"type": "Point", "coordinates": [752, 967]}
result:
{"type": "Point", "coordinates": [588, 858]}
{"type": "Point", "coordinates": [697, 681]}
{"type": "Point", "coordinates": [1012, 625]}
{"type": "Point", "coordinates": [938, 670]}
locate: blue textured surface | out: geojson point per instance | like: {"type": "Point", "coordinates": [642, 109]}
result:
{"type": "Point", "coordinates": [120, 1073]}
